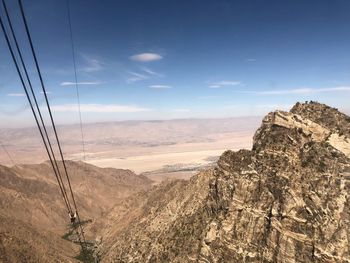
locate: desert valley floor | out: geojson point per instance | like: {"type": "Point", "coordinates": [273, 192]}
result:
{"type": "Point", "coordinates": [175, 148]}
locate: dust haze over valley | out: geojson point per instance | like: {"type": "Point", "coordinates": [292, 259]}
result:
{"type": "Point", "coordinates": [168, 148]}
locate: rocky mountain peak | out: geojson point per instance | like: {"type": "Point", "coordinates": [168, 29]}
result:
{"type": "Point", "coordinates": [328, 117]}
{"type": "Point", "coordinates": [305, 123]}
{"type": "Point", "coordinates": [286, 200]}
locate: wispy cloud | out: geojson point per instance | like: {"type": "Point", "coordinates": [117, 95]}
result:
{"type": "Point", "coordinates": [145, 74]}
{"type": "Point", "coordinates": [92, 64]}
{"type": "Point", "coordinates": [266, 107]}
{"type": "Point", "coordinates": [47, 92]}
{"type": "Point", "coordinates": [146, 57]}
{"type": "Point", "coordinates": [181, 110]}
{"type": "Point", "coordinates": [250, 60]}
{"type": "Point", "coordinates": [69, 83]}
{"type": "Point", "coordinates": [87, 64]}
{"type": "Point", "coordinates": [223, 83]}
{"type": "Point", "coordinates": [136, 77]}
{"type": "Point", "coordinates": [303, 90]}
{"type": "Point", "coordinates": [256, 109]}
{"type": "Point", "coordinates": [99, 108]}
{"type": "Point", "coordinates": [274, 106]}
{"type": "Point", "coordinates": [151, 72]}
{"type": "Point", "coordinates": [16, 94]}
{"type": "Point", "coordinates": [209, 97]}
{"type": "Point", "coordinates": [160, 87]}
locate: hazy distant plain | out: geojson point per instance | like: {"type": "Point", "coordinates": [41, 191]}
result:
{"type": "Point", "coordinates": [141, 146]}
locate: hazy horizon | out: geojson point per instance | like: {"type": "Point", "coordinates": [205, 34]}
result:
{"type": "Point", "coordinates": [8, 124]}
{"type": "Point", "coordinates": [33, 126]}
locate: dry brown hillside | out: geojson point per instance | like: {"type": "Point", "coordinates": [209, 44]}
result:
{"type": "Point", "coordinates": [33, 218]}
{"type": "Point", "coordinates": [21, 242]}
{"type": "Point", "coordinates": [30, 192]}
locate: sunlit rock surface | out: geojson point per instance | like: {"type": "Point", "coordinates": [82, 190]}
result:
{"type": "Point", "coordinates": [286, 200]}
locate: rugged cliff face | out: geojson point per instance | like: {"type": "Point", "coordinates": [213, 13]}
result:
{"type": "Point", "coordinates": [286, 200]}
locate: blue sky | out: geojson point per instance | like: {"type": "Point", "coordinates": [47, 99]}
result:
{"type": "Point", "coordinates": [180, 59]}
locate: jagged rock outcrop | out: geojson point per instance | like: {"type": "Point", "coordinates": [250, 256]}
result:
{"type": "Point", "coordinates": [286, 200]}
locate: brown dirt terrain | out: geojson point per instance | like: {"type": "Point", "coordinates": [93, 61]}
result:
{"type": "Point", "coordinates": [33, 218]}
{"type": "Point", "coordinates": [20, 242]}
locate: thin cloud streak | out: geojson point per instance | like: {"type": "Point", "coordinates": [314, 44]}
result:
{"type": "Point", "coordinates": [181, 110]}
{"type": "Point", "coordinates": [151, 72]}
{"type": "Point", "coordinates": [99, 108]}
{"type": "Point", "coordinates": [69, 83]}
{"type": "Point", "coordinates": [303, 91]}
{"type": "Point", "coordinates": [16, 94]}
{"type": "Point", "coordinates": [146, 74]}
{"type": "Point", "coordinates": [223, 83]}
{"type": "Point", "coordinates": [209, 97]}
{"type": "Point", "coordinates": [261, 106]}
{"type": "Point", "coordinates": [145, 57]}
{"type": "Point", "coordinates": [160, 87]}
{"type": "Point", "coordinates": [93, 64]}
{"type": "Point", "coordinates": [136, 77]}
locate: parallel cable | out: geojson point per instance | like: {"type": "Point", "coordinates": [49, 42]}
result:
{"type": "Point", "coordinates": [7, 153]}
{"type": "Point", "coordinates": [78, 96]}
{"type": "Point", "coordinates": [50, 113]}
{"type": "Point", "coordinates": [39, 127]}
{"type": "Point", "coordinates": [75, 76]}
{"type": "Point", "coordinates": [36, 103]}
{"type": "Point", "coordinates": [31, 105]}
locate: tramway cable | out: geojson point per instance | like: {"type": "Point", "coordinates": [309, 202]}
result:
{"type": "Point", "coordinates": [75, 76]}
{"type": "Point", "coordinates": [49, 110]}
{"type": "Point", "coordinates": [42, 130]}
{"type": "Point", "coordinates": [7, 153]}
{"type": "Point", "coordinates": [35, 102]}
{"type": "Point", "coordinates": [31, 105]}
